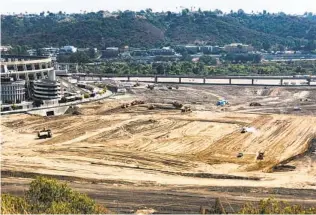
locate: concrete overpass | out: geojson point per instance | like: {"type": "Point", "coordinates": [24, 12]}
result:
{"type": "Point", "coordinates": [207, 80]}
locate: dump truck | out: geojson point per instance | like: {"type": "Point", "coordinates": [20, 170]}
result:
{"type": "Point", "coordinates": [45, 133]}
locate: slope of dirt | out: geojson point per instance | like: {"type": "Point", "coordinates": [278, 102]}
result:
{"type": "Point", "coordinates": [165, 146]}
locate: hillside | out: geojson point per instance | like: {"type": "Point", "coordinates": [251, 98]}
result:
{"type": "Point", "coordinates": [147, 29]}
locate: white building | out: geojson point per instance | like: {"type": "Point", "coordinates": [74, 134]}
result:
{"type": "Point", "coordinates": [238, 48]}
{"type": "Point", "coordinates": [69, 49]}
{"type": "Point", "coordinates": [12, 91]}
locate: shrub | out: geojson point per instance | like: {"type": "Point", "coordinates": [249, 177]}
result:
{"type": "Point", "coordinates": [48, 196]}
{"type": "Point", "coordinates": [63, 100]}
{"type": "Point", "coordinates": [86, 95]}
{"type": "Point", "coordinates": [13, 205]}
{"type": "Point", "coordinates": [14, 107]}
{"type": "Point", "coordinates": [38, 103]}
{"type": "Point", "coordinates": [273, 206]}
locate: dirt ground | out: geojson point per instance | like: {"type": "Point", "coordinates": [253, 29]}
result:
{"type": "Point", "coordinates": [166, 148]}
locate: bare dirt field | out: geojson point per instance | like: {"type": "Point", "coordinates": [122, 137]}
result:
{"type": "Point", "coordinates": [167, 151]}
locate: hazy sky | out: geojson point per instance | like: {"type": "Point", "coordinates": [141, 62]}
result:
{"type": "Point", "coordinates": [36, 6]}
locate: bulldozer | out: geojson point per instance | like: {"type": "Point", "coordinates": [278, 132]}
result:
{"type": "Point", "coordinates": [244, 130]}
{"type": "Point", "coordinates": [177, 105]}
{"type": "Point", "coordinates": [186, 109]}
{"type": "Point", "coordinates": [260, 156]}
{"type": "Point", "coordinates": [123, 106]}
{"type": "Point", "coordinates": [45, 133]}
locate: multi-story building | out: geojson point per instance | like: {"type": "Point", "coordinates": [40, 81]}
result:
{"type": "Point", "coordinates": [238, 48]}
{"type": "Point", "coordinates": [12, 91]}
{"type": "Point", "coordinates": [46, 89]}
{"type": "Point", "coordinates": [50, 52]}
{"type": "Point", "coordinates": [18, 72]}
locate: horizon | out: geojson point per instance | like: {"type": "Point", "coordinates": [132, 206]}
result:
{"type": "Point", "coordinates": [71, 6]}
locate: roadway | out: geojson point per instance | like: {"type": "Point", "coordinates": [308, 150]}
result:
{"type": "Point", "coordinates": [207, 80]}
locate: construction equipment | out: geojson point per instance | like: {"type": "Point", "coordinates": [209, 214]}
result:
{"type": "Point", "coordinates": [244, 130]}
{"type": "Point", "coordinates": [151, 107]}
{"type": "Point", "coordinates": [177, 105]}
{"type": "Point", "coordinates": [137, 102]}
{"type": "Point", "coordinates": [222, 103]}
{"type": "Point", "coordinates": [255, 104]}
{"type": "Point", "coordinates": [297, 108]}
{"type": "Point", "coordinates": [240, 155]}
{"type": "Point", "coordinates": [186, 109]}
{"type": "Point", "coordinates": [151, 87]}
{"type": "Point", "coordinates": [260, 156]}
{"type": "Point", "coordinates": [45, 133]}
{"type": "Point", "coordinates": [124, 105]}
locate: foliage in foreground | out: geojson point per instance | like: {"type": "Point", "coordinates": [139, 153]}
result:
{"type": "Point", "coordinates": [48, 196]}
{"type": "Point", "coordinates": [273, 206]}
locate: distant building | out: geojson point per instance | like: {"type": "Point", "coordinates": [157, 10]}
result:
{"type": "Point", "coordinates": [5, 48]}
{"type": "Point", "coordinates": [192, 49]}
{"type": "Point", "coordinates": [49, 52]}
{"type": "Point", "coordinates": [32, 52]}
{"type": "Point", "coordinates": [110, 52]}
{"type": "Point", "coordinates": [12, 91]}
{"type": "Point", "coordinates": [238, 48]}
{"type": "Point", "coordinates": [210, 49]}
{"type": "Point", "coordinates": [163, 51]}
{"type": "Point", "coordinates": [69, 49]}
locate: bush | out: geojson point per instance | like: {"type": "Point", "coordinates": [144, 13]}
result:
{"type": "Point", "coordinates": [272, 206]}
{"type": "Point", "coordinates": [13, 205]}
{"type": "Point", "coordinates": [14, 107]}
{"type": "Point", "coordinates": [63, 100]}
{"type": "Point", "coordinates": [49, 196]}
{"type": "Point", "coordinates": [86, 96]}
{"type": "Point", "coordinates": [38, 103]}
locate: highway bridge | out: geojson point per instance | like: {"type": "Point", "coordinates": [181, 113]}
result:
{"type": "Point", "coordinates": [207, 80]}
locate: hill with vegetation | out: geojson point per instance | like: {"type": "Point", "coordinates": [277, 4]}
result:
{"type": "Point", "coordinates": [148, 29]}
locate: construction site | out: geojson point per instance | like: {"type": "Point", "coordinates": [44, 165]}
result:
{"type": "Point", "coordinates": [174, 148]}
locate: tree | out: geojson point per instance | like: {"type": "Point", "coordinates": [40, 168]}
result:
{"type": "Point", "coordinates": [266, 45]}
{"type": "Point", "coordinates": [48, 196]}
{"type": "Point", "coordinates": [208, 60]}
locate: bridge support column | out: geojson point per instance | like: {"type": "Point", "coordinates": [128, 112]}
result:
{"type": "Point", "coordinates": [230, 81]}
{"type": "Point", "coordinates": [281, 81]}
{"type": "Point", "coordinates": [128, 78]}
{"type": "Point", "coordinates": [204, 81]}
{"type": "Point", "coordinates": [156, 79]}
{"type": "Point", "coordinates": [252, 81]}
{"type": "Point", "coordinates": [100, 78]}
{"type": "Point", "coordinates": [180, 80]}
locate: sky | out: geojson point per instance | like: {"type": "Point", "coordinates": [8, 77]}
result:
{"type": "Point", "coordinates": [70, 6]}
